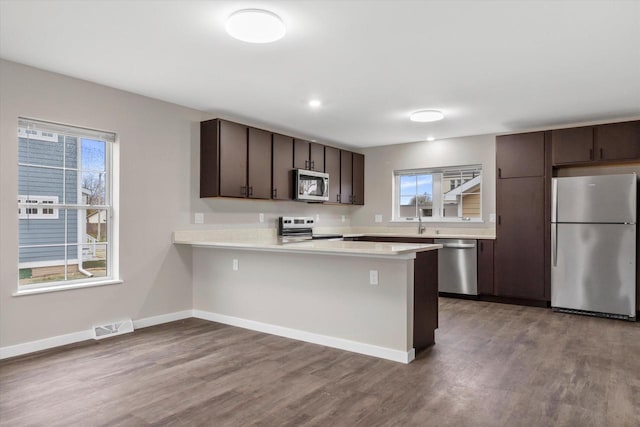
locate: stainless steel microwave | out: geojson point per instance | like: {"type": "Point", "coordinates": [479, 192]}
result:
{"type": "Point", "coordinates": [311, 186]}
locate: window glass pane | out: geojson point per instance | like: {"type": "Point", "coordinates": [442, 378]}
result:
{"type": "Point", "coordinates": [39, 181]}
{"type": "Point", "coordinates": [96, 225]}
{"type": "Point", "coordinates": [41, 231]}
{"type": "Point", "coordinates": [40, 152]}
{"type": "Point", "coordinates": [41, 264]}
{"type": "Point", "coordinates": [93, 188]}
{"type": "Point", "coordinates": [93, 155]}
{"type": "Point", "coordinates": [94, 259]}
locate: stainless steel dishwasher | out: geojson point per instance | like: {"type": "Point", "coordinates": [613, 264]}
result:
{"type": "Point", "coordinates": [458, 266]}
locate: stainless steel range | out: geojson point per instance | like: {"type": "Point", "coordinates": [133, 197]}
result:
{"type": "Point", "coordinates": [300, 228]}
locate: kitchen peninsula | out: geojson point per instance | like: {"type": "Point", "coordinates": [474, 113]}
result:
{"type": "Point", "coordinates": [374, 298]}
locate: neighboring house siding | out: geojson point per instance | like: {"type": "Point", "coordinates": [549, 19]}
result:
{"type": "Point", "coordinates": [36, 181]}
{"type": "Point", "coordinates": [471, 205]}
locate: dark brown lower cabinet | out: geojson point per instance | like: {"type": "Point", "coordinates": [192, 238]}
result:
{"type": "Point", "coordinates": [485, 267]}
{"type": "Point", "coordinates": [520, 238]}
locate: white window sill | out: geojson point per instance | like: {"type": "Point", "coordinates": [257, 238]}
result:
{"type": "Point", "coordinates": [430, 220]}
{"type": "Point", "coordinates": [65, 287]}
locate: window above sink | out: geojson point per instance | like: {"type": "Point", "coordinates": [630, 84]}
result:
{"type": "Point", "coordinates": [447, 194]}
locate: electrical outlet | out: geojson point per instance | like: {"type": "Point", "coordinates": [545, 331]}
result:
{"type": "Point", "coordinates": [378, 218]}
{"type": "Point", "coordinates": [492, 217]}
{"type": "Point", "coordinates": [198, 218]}
{"type": "Point", "coordinates": [373, 277]}
{"type": "Point", "coordinates": [261, 217]}
{"type": "Point", "coordinates": [235, 265]}
{"type": "Point", "coordinates": [317, 217]}
{"type": "Point", "coordinates": [344, 218]}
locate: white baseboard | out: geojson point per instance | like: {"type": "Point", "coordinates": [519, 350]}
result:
{"type": "Point", "coordinates": [44, 344]}
{"type": "Point", "coordinates": [296, 334]}
{"type": "Point", "coordinates": [57, 341]}
{"type": "Point", "coordinates": [163, 318]}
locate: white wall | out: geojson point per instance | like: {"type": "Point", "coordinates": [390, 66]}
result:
{"type": "Point", "coordinates": [155, 160]}
{"type": "Point", "coordinates": [380, 162]}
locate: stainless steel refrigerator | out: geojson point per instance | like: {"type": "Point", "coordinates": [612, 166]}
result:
{"type": "Point", "coordinates": [593, 244]}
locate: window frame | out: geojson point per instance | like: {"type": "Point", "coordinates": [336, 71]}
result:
{"type": "Point", "coordinates": [48, 131]}
{"type": "Point", "coordinates": [437, 194]}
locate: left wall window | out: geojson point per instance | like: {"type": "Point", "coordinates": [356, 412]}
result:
{"type": "Point", "coordinates": [65, 209]}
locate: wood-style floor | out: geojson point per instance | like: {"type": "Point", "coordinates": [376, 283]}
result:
{"type": "Point", "coordinates": [492, 365]}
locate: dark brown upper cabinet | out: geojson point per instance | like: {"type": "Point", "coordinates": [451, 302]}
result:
{"type": "Point", "coordinates": [618, 141]}
{"type": "Point", "coordinates": [209, 157]}
{"type": "Point", "coordinates": [301, 154]}
{"type": "Point", "coordinates": [574, 145]}
{"type": "Point", "coordinates": [233, 159]}
{"type": "Point", "coordinates": [258, 167]}
{"type": "Point", "coordinates": [358, 179]}
{"type": "Point", "coordinates": [520, 155]}
{"type": "Point", "coordinates": [282, 167]}
{"type": "Point", "coordinates": [316, 157]}
{"type": "Point", "coordinates": [596, 144]}
{"type": "Point", "coordinates": [332, 167]}
{"type": "Point", "coordinates": [237, 160]}
{"type": "Point", "coordinates": [308, 155]}
{"type": "Point", "coordinates": [346, 177]}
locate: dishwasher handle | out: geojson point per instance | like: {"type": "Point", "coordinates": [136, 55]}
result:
{"type": "Point", "coordinates": [459, 245]}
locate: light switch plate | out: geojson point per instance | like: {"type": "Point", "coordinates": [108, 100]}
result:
{"type": "Point", "coordinates": [373, 277]}
{"type": "Point", "coordinates": [317, 217]}
{"type": "Point", "coordinates": [198, 218]}
{"type": "Point", "coordinates": [261, 217]}
{"type": "Point", "coordinates": [235, 265]}
{"type": "Point", "coordinates": [344, 218]}
{"type": "Point", "coordinates": [378, 218]}
{"type": "Point", "coordinates": [492, 217]}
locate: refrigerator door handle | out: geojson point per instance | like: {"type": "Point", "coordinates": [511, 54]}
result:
{"type": "Point", "coordinates": [554, 200]}
{"type": "Point", "coordinates": [554, 244]}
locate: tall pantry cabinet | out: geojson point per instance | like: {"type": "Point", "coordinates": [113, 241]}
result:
{"type": "Point", "coordinates": [523, 208]}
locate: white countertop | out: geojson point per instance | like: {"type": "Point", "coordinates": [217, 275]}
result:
{"type": "Point", "coordinates": [425, 235]}
{"type": "Point", "coordinates": [326, 247]}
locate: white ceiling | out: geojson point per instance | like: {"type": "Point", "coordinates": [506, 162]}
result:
{"type": "Point", "coordinates": [490, 66]}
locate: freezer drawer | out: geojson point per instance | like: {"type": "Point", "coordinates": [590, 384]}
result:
{"type": "Point", "coordinates": [458, 266]}
{"type": "Point", "coordinates": [593, 267]}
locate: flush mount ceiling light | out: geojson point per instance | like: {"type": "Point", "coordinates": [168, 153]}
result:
{"type": "Point", "coordinates": [426, 116]}
{"type": "Point", "coordinates": [315, 103]}
{"type": "Point", "coordinates": [255, 26]}
{"type": "Point", "coordinates": [430, 139]}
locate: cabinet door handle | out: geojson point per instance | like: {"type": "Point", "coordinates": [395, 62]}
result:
{"type": "Point", "coordinates": [313, 165]}
{"type": "Point", "coordinates": [481, 246]}
{"type": "Point", "coordinates": [250, 191]}
{"type": "Point", "coordinates": [274, 193]}
{"type": "Point", "coordinates": [601, 154]}
{"type": "Point", "coordinates": [354, 199]}
{"type": "Point", "coordinates": [499, 172]}
{"type": "Point", "coordinates": [338, 198]}
{"type": "Point", "coordinates": [243, 190]}
{"type": "Point", "coordinates": [306, 164]}
{"type": "Point", "coordinates": [590, 153]}
{"type": "Point", "coordinates": [499, 219]}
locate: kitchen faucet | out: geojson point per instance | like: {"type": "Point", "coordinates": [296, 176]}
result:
{"type": "Point", "coordinates": [420, 226]}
